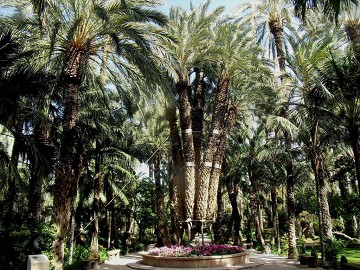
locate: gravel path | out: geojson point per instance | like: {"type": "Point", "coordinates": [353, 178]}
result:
{"type": "Point", "coordinates": [258, 262]}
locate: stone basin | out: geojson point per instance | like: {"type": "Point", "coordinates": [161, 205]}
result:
{"type": "Point", "coordinates": [196, 261]}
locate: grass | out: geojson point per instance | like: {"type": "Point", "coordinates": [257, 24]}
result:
{"type": "Point", "coordinates": [352, 255]}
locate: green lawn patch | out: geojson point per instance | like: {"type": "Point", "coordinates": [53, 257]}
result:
{"type": "Point", "coordinates": [352, 255]}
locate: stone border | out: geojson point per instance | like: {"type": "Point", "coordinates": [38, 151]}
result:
{"type": "Point", "coordinates": [196, 262]}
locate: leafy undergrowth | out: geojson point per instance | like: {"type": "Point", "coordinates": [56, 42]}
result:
{"type": "Point", "coordinates": [206, 250]}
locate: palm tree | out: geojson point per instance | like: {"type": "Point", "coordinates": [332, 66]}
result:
{"type": "Point", "coordinates": [192, 32]}
{"type": "Point", "coordinates": [17, 76]}
{"type": "Point", "coordinates": [331, 9]}
{"type": "Point", "coordinates": [352, 25]}
{"type": "Point", "coordinates": [269, 17]}
{"type": "Point", "coordinates": [157, 144]}
{"type": "Point", "coordinates": [77, 38]}
{"type": "Point", "coordinates": [273, 16]}
{"type": "Point", "coordinates": [337, 70]}
{"type": "Point", "coordinates": [315, 125]}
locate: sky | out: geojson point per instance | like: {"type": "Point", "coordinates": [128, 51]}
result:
{"type": "Point", "coordinates": [185, 4]}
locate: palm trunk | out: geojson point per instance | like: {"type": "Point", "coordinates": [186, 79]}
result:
{"type": "Point", "coordinates": [110, 206]}
{"type": "Point", "coordinates": [356, 153]}
{"type": "Point", "coordinates": [349, 223]}
{"type": "Point", "coordinates": [72, 236]}
{"type": "Point", "coordinates": [176, 186]}
{"type": "Point", "coordinates": [324, 211]}
{"type": "Point", "coordinates": [35, 196]}
{"type": "Point", "coordinates": [277, 30]}
{"type": "Point", "coordinates": [275, 219]}
{"type": "Point", "coordinates": [66, 182]}
{"type": "Point", "coordinates": [218, 160]}
{"type": "Point", "coordinates": [205, 187]}
{"type": "Point", "coordinates": [260, 213]}
{"type": "Point", "coordinates": [232, 189]}
{"type": "Point", "coordinates": [188, 146]}
{"type": "Point", "coordinates": [197, 121]}
{"type": "Point", "coordinates": [254, 209]}
{"type": "Point", "coordinates": [218, 235]}
{"type": "Point", "coordinates": [8, 207]}
{"type": "Point", "coordinates": [96, 202]}
{"type": "Point", "coordinates": [292, 252]}
{"type": "Point", "coordinates": [255, 206]}
{"type": "Point", "coordinates": [163, 237]}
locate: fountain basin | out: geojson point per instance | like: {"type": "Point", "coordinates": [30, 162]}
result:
{"type": "Point", "coordinates": [196, 261]}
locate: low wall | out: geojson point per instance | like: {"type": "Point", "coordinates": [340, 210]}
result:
{"type": "Point", "coordinates": [196, 262]}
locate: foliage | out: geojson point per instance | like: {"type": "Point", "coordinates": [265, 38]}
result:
{"type": "Point", "coordinates": [24, 240]}
{"type": "Point", "coordinates": [83, 253]}
{"type": "Point", "coordinates": [80, 253]}
{"type": "Point", "coordinates": [206, 250]}
{"type": "Point", "coordinates": [332, 249]}
{"type": "Point", "coordinates": [102, 254]}
{"type": "Point", "coordinates": [344, 206]}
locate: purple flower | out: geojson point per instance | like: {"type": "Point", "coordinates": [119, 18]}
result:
{"type": "Point", "coordinates": [206, 250]}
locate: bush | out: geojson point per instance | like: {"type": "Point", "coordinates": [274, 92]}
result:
{"type": "Point", "coordinates": [24, 241]}
{"type": "Point", "coordinates": [332, 248]}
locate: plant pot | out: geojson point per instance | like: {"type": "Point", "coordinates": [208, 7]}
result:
{"type": "Point", "coordinates": [302, 259]}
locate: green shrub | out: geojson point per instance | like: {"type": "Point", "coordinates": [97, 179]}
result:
{"type": "Point", "coordinates": [24, 241]}
{"type": "Point", "coordinates": [332, 249]}
{"type": "Point", "coordinates": [103, 255]}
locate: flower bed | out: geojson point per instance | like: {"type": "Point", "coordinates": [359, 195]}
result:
{"type": "Point", "coordinates": [196, 257]}
{"type": "Point", "coordinates": [206, 250]}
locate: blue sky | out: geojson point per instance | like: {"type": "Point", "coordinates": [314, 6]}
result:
{"type": "Point", "coordinates": [185, 4]}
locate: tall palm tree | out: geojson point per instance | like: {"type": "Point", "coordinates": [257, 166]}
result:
{"type": "Point", "coordinates": [192, 32]}
{"type": "Point", "coordinates": [272, 17]}
{"type": "Point", "coordinates": [337, 71]}
{"type": "Point", "coordinates": [17, 76]}
{"type": "Point", "coordinates": [315, 125]}
{"type": "Point", "coordinates": [77, 32]}
{"type": "Point", "coordinates": [271, 22]}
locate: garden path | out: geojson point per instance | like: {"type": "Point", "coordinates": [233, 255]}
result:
{"type": "Point", "coordinates": [257, 261]}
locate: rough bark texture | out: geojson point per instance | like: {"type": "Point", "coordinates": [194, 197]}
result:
{"type": "Point", "coordinates": [254, 210]}
{"type": "Point", "coordinates": [66, 182]}
{"type": "Point", "coordinates": [292, 252]}
{"type": "Point", "coordinates": [275, 219]}
{"type": "Point", "coordinates": [163, 237]}
{"type": "Point", "coordinates": [197, 122]}
{"type": "Point", "coordinates": [188, 147]}
{"type": "Point", "coordinates": [218, 160]}
{"type": "Point", "coordinates": [277, 30]}
{"type": "Point", "coordinates": [176, 184]}
{"type": "Point", "coordinates": [233, 190]}
{"type": "Point", "coordinates": [96, 202]}
{"type": "Point", "coordinates": [324, 212]}
{"type": "Point", "coordinates": [72, 236]}
{"type": "Point", "coordinates": [221, 103]}
{"type": "Point", "coordinates": [218, 237]}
